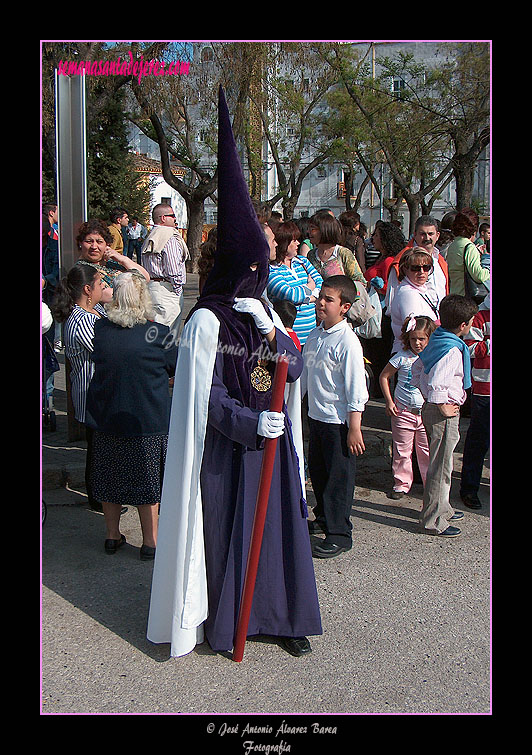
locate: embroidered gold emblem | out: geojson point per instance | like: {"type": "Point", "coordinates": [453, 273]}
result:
{"type": "Point", "coordinates": [260, 377]}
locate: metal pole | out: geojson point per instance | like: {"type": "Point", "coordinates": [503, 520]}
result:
{"type": "Point", "coordinates": [71, 171]}
{"type": "Point", "coordinates": [381, 190]}
{"type": "Point", "coordinates": [71, 160]}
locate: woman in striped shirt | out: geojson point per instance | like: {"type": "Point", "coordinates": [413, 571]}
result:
{"type": "Point", "coordinates": [78, 304]}
{"type": "Point", "coordinates": [294, 279]}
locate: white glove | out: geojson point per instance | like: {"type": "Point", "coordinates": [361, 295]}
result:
{"type": "Point", "coordinates": [254, 308]}
{"type": "Point", "coordinates": [271, 424]}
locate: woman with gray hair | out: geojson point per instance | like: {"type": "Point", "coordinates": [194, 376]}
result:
{"type": "Point", "coordinates": [128, 407]}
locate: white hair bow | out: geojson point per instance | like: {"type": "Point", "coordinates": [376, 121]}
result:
{"type": "Point", "coordinates": [412, 322]}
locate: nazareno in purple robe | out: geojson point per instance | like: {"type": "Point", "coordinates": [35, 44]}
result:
{"type": "Point", "coordinates": [285, 601]}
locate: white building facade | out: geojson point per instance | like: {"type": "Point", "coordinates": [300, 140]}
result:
{"type": "Point", "coordinates": [325, 184]}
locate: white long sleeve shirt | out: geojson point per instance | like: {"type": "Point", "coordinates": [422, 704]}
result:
{"type": "Point", "coordinates": [333, 374]}
{"type": "Point", "coordinates": [444, 383]}
{"type": "Point", "coordinates": [436, 283]}
{"type": "Point", "coordinates": [409, 298]}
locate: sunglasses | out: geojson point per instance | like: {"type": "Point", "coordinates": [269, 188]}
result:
{"type": "Point", "coordinates": [419, 268]}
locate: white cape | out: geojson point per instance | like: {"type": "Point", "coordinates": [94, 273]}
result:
{"type": "Point", "coordinates": [178, 603]}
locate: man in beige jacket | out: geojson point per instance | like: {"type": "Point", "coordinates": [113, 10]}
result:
{"type": "Point", "coordinates": [164, 253]}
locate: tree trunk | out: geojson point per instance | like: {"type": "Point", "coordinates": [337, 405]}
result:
{"type": "Point", "coordinates": [358, 201]}
{"type": "Point", "coordinates": [464, 163]}
{"type": "Point", "coordinates": [289, 205]}
{"type": "Point", "coordinates": [463, 176]}
{"type": "Point", "coordinates": [196, 219]}
{"type": "Point", "coordinates": [413, 208]}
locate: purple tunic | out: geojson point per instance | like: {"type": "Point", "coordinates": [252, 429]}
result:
{"type": "Point", "coordinates": [285, 600]}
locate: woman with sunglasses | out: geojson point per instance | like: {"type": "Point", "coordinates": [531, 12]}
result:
{"type": "Point", "coordinates": [412, 294]}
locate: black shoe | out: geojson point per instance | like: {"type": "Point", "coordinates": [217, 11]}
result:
{"type": "Point", "coordinates": [456, 516]}
{"type": "Point", "coordinates": [471, 500]}
{"type": "Point", "coordinates": [111, 546]}
{"type": "Point", "coordinates": [328, 550]}
{"type": "Point", "coordinates": [450, 532]}
{"type": "Point", "coordinates": [147, 553]}
{"type": "Point", "coordinates": [296, 646]}
{"type": "Point", "coordinates": [314, 528]}
{"type": "Point", "coordinates": [395, 495]}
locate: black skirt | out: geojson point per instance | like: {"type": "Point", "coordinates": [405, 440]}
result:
{"type": "Point", "coordinates": [127, 470]}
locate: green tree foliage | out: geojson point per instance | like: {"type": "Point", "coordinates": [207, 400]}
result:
{"type": "Point", "coordinates": [111, 178]}
{"type": "Point", "coordinates": [430, 130]}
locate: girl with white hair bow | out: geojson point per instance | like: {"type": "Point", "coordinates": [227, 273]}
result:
{"type": "Point", "coordinates": [404, 408]}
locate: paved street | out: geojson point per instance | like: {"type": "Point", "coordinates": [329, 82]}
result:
{"type": "Point", "coordinates": [406, 616]}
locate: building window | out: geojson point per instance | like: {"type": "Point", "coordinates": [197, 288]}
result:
{"type": "Point", "coordinates": [398, 87]}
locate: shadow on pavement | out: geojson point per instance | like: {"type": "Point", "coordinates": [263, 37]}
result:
{"type": "Point", "coordinates": [114, 590]}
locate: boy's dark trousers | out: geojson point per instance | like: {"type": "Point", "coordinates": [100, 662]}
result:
{"type": "Point", "coordinates": [476, 445]}
{"type": "Point", "coordinates": [332, 473]}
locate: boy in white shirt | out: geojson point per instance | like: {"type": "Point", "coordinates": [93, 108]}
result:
{"type": "Point", "coordinates": [334, 379]}
{"type": "Point", "coordinates": [443, 374]}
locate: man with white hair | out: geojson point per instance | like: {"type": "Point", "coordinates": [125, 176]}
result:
{"type": "Point", "coordinates": [164, 253]}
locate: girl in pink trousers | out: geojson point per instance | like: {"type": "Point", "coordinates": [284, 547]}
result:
{"type": "Point", "coordinates": [404, 407]}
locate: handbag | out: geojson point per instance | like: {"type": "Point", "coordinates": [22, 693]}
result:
{"type": "Point", "coordinates": [473, 290]}
{"type": "Point", "coordinates": [371, 328]}
{"type": "Point", "coordinates": [362, 309]}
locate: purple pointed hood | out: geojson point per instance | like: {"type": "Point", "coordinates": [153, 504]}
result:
{"type": "Point", "coordinates": [241, 240]}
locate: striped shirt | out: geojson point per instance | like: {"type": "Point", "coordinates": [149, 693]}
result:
{"type": "Point", "coordinates": [478, 343]}
{"type": "Point", "coordinates": [371, 254]}
{"type": "Point", "coordinates": [78, 336]}
{"type": "Point", "coordinates": [168, 263]}
{"type": "Point", "coordinates": [291, 284]}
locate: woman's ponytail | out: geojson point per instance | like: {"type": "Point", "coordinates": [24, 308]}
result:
{"type": "Point", "coordinates": [70, 290]}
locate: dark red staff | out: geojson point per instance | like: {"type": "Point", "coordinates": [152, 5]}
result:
{"type": "Point", "coordinates": [265, 481]}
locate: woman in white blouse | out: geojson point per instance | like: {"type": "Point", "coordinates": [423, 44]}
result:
{"type": "Point", "coordinates": [412, 295]}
